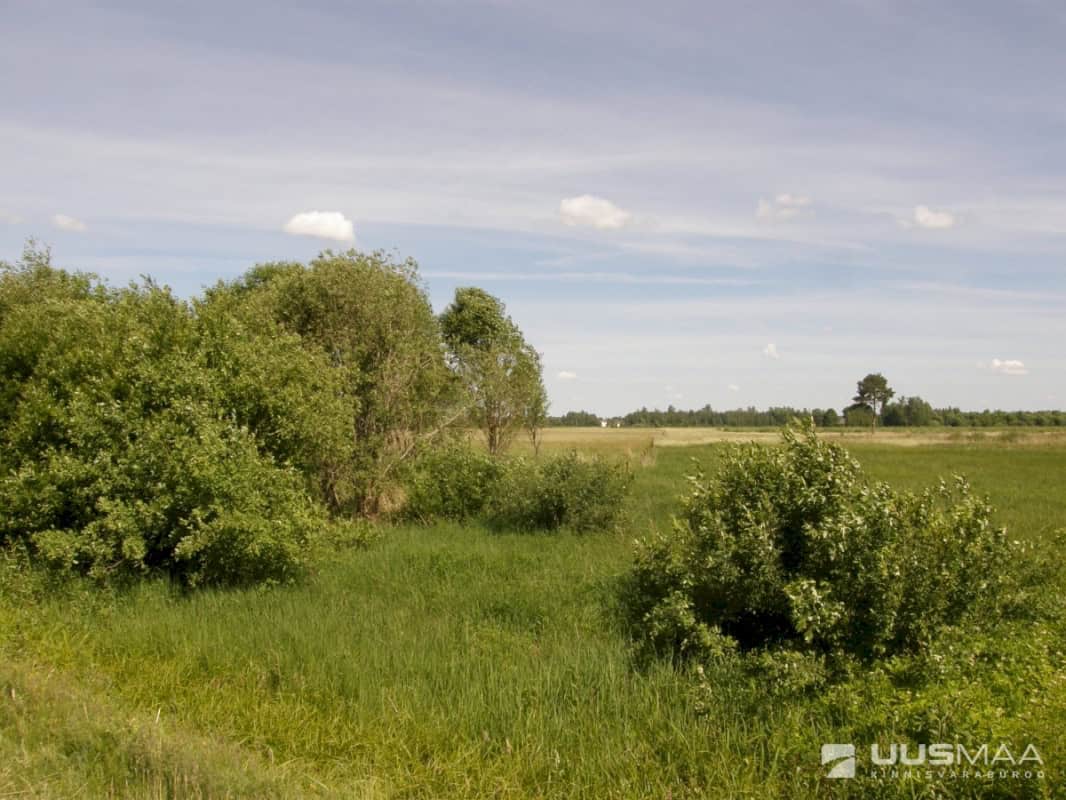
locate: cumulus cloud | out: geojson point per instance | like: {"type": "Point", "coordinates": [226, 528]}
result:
{"type": "Point", "coordinates": [323, 224]}
{"type": "Point", "coordinates": [783, 207]}
{"type": "Point", "coordinates": [1008, 366]}
{"type": "Point", "coordinates": [594, 212]}
{"type": "Point", "coordinates": [65, 223]}
{"type": "Point", "coordinates": [566, 375]}
{"type": "Point", "coordinates": [770, 351]}
{"type": "Point", "coordinates": [925, 217]}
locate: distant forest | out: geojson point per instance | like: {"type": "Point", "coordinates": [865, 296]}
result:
{"type": "Point", "coordinates": [907, 411]}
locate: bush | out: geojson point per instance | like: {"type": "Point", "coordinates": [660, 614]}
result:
{"type": "Point", "coordinates": [452, 481]}
{"type": "Point", "coordinates": [790, 548]}
{"type": "Point", "coordinates": [269, 382]}
{"type": "Point", "coordinates": [561, 492]}
{"type": "Point", "coordinates": [121, 449]}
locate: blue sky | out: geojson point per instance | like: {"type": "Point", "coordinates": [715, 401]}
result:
{"type": "Point", "coordinates": [686, 203]}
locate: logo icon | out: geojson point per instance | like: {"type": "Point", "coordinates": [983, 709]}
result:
{"type": "Point", "coordinates": [842, 753]}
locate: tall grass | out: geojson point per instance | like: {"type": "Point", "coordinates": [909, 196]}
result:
{"type": "Point", "coordinates": [452, 661]}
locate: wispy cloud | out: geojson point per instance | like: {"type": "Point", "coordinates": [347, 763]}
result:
{"type": "Point", "coordinates": [323, 224]}
{"type": "Point", "coordinates": [733, 387]}
{"type": "Point", "coordinates": [925, 217]}
{"type": "Point", "coordinates": [65, 223]}
{"type": "Point", "coordinates": [770, 351]}
{"type": "Point", "coordinates": [623, 278]}
{"type": "Point", "coordinates": [566, 375]}
{"type": "Point", "coordinates": [594, 212]}
{"type": "Point", "coordinates": [784, 207]}
{"type": "Point", "coordinates": [1009, 366]}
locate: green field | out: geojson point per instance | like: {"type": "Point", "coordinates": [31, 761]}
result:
{"type": "Point", "coordinates": [457, 662]}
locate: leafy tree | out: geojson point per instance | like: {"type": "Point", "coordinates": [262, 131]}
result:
{"type": "Point", "coordinates": [919, 412]}
{"type": "Point", "coordinates": [371, 321]}
{"type": "Point", "coordinates": [858, 415]}
{"type": "Point", "coordinates": [912, 411]}
{"type": "Point", "coordinates": [583, 419]}
{"type": "Point", "coordinates": [894, 415]}
{"type": "Point", "coordinates": [873, 392]}
{"type": "Point", "coordinates": [497, 367]}
{"type": "Point", "coordinates": [536, 419]}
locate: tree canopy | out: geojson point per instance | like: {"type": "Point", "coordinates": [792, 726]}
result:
{"type": "Point", "coordinates": [495, 365]}
{"type": "Point", "coordinates": [873, 392]}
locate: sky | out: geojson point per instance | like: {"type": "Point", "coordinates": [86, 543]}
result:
{"type": "Point", "coordinates": [679, 202]}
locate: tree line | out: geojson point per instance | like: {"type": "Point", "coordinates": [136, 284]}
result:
{"type": "Point", "coordinates": [873, 404]}
{"type": "Point", "coordinates": [907, 412]}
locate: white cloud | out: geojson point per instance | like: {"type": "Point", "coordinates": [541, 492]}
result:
{"type": "Point", "coordinates": [9, 219]}
{"type": "Point", "coordinates": [65, 223]}
{"type": "Point", "coordinates": [733, 387]}
{"type": "Point", "coordinates": [783, 207]}
{"type": "Point", "coordinates": [323, 224]}
{"type": "Point", "coordinates": [1008, 366]}
{"type": "Point", "coordinates": [591, 211]}
{"type": "Point", "coordinates": [770, 351]}
{"type": "Point", "coordinates": [566, 375]}
{"type": "Point", "coordinates": [926, 217]}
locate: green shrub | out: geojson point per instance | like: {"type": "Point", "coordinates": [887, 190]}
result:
{"type": "Point", "coordinates": [269, 382]}
{"type": "Point", "coordinates": [122, 450]}
{"type": "Point", "coordinates": [560, 492]}
{"type": "Point", "coordinates": [453, 481]}
{"type": "Point", "coordinates": [790, 548]}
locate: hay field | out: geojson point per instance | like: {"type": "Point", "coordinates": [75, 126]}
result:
{"type": "Point", "coordinates": [637, 439]}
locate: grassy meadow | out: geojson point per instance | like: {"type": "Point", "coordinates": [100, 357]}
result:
{"type": "Point", "coordinates": [453, 661]}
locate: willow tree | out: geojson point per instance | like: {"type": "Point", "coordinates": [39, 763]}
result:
{"type": "Point", "coordinates": [499, 370]}
{"type": "Point", "coordinates": [369, 316]}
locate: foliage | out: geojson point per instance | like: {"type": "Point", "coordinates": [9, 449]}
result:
{"type": "Point", "coordinates": [792, 548]}
{"type": "Point", "coordinates": [827, 418]}
{"type": "Point", "coordinates": [124, 448]}
{"type": "Point", "coordinates": [476, 319]}
{"type": "Point", "coordinates": [451, 481]}
{"type": "Point", "coordinates": [777, 416]}
{"type": "Point", "coordinates": [873, 392]}
{"type": "Point", "coordinates": [708, 417]}
{"type": "Point", "coordinates": [859, 415]}
{"type": "Point", "coordinates": [566, 491]}
{"type": "Point", "coordinates": [576, 419]}
{"type": "Point", "coordinates": [535, 413]}
{"type": "Point", "coordinates": [371, 321]}
{"type": "Point", "coordinates": [913, 411]}
{"type": "Point", "coordinates": [500, 371]}
{"type": "Point", "coordinates": [270, 383]}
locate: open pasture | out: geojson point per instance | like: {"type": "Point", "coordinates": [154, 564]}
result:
{"type": "Point", "coordinates": [634, 440]}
